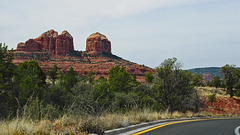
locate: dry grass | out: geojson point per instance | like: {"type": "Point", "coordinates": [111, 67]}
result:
{"type": "Point", "coordinates": [205, 91]}
{"type": "Point", "coordinates": [25, 127]}
{"type": "Point", "coordinates": [79, 125]}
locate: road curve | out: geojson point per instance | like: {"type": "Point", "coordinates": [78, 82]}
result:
{"type": "Point", "coordinates": [195, 127]}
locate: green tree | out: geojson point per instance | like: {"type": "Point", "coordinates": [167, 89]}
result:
{"type": "Point", "coordinates": [83, 98]}
{"type": "Point", "coordinates": [120, 80]}
{"type": "Point", "coordinates": [149, 77]}
{"type": "Point", "coordinates": [216, 82]}
{"type": "Point", "coordinates": [172, 87]}
{"type": "Point", "coordinates": [230, 78]}
{"type": "Point", "coordinates": [134, 80]}
{"type": "Point", "coordinates": [90, 76]}
{"type": "Point", "coordinates": [197, 80]}
{"type": "Point", "coordinates": [237, 85]}
{"type": "Point", "coordinates": [103, 95]}
{"type": "Point", "coordinates": [7, 72]}
{"type": "Point", "coordinates": [6, 67]}
{"type": "Point", "coordinates": [71, 78]}
{"type": "Point", "coordinates": [53, 74]}
{"type": "Point", "coordinates": [123, 86]}
{"type": "Point", "coordinates": [68, 80]}
{"type": "Point", "coordinates": [61, 93]}
{"type": "Point", "coordinates": [31, 81]}
{"type": "Point", "coordinates": [58, 96]}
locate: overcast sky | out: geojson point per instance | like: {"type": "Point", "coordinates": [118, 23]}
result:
{"type": "Point", "coordinates": [199, 33]}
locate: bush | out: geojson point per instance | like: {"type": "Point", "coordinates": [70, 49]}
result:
{"type": "Point", "coordinates": [82, 99]}
{"type": "Point", "coordinates": [212, 98]}
{"type": "Point", "coordinates": [37, 110]}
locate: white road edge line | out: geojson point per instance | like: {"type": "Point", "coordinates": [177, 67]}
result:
{"type": "Point", "coordinates": [237, 130]}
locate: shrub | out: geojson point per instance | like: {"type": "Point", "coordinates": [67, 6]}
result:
{"type": "Point", "coordinates": [37, 110]}
{"type": "Point", "coordinates": [212, 98]}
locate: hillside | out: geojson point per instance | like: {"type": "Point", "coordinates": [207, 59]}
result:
{"type": "Point", "coordinates": [208, 72]}
{"type": "Point", "coordinates": [51, 49]}
{"type": "Point", "coordinates": [224, 105]}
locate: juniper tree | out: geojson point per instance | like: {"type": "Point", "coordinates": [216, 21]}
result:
{"type": "Point", "coordinates": [172, 87]}
{"type": "Point", "coordinates": [230, 78]}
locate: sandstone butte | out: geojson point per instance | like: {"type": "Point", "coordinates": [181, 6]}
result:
{"type": "Point", "coordinates": [51, 49]}
{"type": "Point", "coordinates": [49, 41]}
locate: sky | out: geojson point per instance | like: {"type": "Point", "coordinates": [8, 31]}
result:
{"type": "Point", "coordinates": [199, 33]}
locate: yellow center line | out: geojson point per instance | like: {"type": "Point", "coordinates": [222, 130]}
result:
{"type": "Point", "coordinates": [147, 130]}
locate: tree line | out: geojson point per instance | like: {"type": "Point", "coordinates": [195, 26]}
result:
{"type": "Point", "coordinates": [26, 90]}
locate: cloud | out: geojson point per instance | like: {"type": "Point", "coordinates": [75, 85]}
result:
{"type": "Point", "coordinates": [28, 17]}
{"type": "Point", "coordinates": [78, 12]}
{"type": "Point", "coordinates": [108, 8]}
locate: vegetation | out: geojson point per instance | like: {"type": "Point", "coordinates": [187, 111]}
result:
{"type": "Point", "coordinates": [197, 80]}
{"type": "Point", "coordinates": [53, 74]}
{"type": "Point", "coordinates": [7, 71]}
{"type": "Point", "coordinates": [149, 77]}
{"type": "Point", "coordinates": [231, 78]}
{"type": "Point", "coordinates": [212, 98]}
{"type": "Point", "coordinates": [214, 71]}
{"type": "Point", "coordinates": [217, 82]}
{"type": "Point", "coordinates": [86, 104]}
{"type": "Point", "coordinates": [173, 89]}
{"type": "Point", "coordinates": [90, 76]}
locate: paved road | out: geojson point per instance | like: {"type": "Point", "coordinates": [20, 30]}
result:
{"type": "Point", "coordinates": [203, 127]}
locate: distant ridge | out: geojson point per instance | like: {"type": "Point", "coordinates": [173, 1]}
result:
{"type": "Point", "coordinates": [214, 71]}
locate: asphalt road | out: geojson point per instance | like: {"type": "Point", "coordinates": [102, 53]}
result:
{"type": "Point", "coordinates": [202, 127]}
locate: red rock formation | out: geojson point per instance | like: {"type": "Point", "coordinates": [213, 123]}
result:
{"type": "Point", "coordinates": [21, 47]}
{"type": "Point", "coordinates": [49, 41]}
{"type": "Point", "coordinates": [32, 46]}
{"type": "Point", "coordinates": [97, 44]}
{"type": "Point", "coordinates": [61, 44]}
{"type": "Point", "coordinates": [64, 43]}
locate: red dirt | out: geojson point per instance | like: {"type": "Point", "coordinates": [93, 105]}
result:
{"type": "Point", "coordinates": [222, 105]}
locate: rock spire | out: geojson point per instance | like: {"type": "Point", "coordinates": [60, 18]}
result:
{"type": "Point", "coordinates": [98, 43]}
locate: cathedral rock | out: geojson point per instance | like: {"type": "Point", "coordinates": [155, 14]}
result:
{"type": "Point", "coordinates": [98, 43]}
{"type": "Point", "coordinates": [49, 41]}
{"type": "Point", "coordinates": [51, 49]}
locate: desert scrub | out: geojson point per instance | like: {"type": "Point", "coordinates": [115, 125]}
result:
{"type": "Point", "coordinates": [78, 124]}
{"type": "Point", "coordinates": [22, 126]}
{"type": "Point", "coordinates": [212, 98]}
{"type": "Point", "coordinates": [26, 127]}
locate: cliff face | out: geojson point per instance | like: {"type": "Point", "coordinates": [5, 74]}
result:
{"type": "Point", "coordinates": [49, 41]}
{"type": "Point", "coordinates": [98, 44]}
